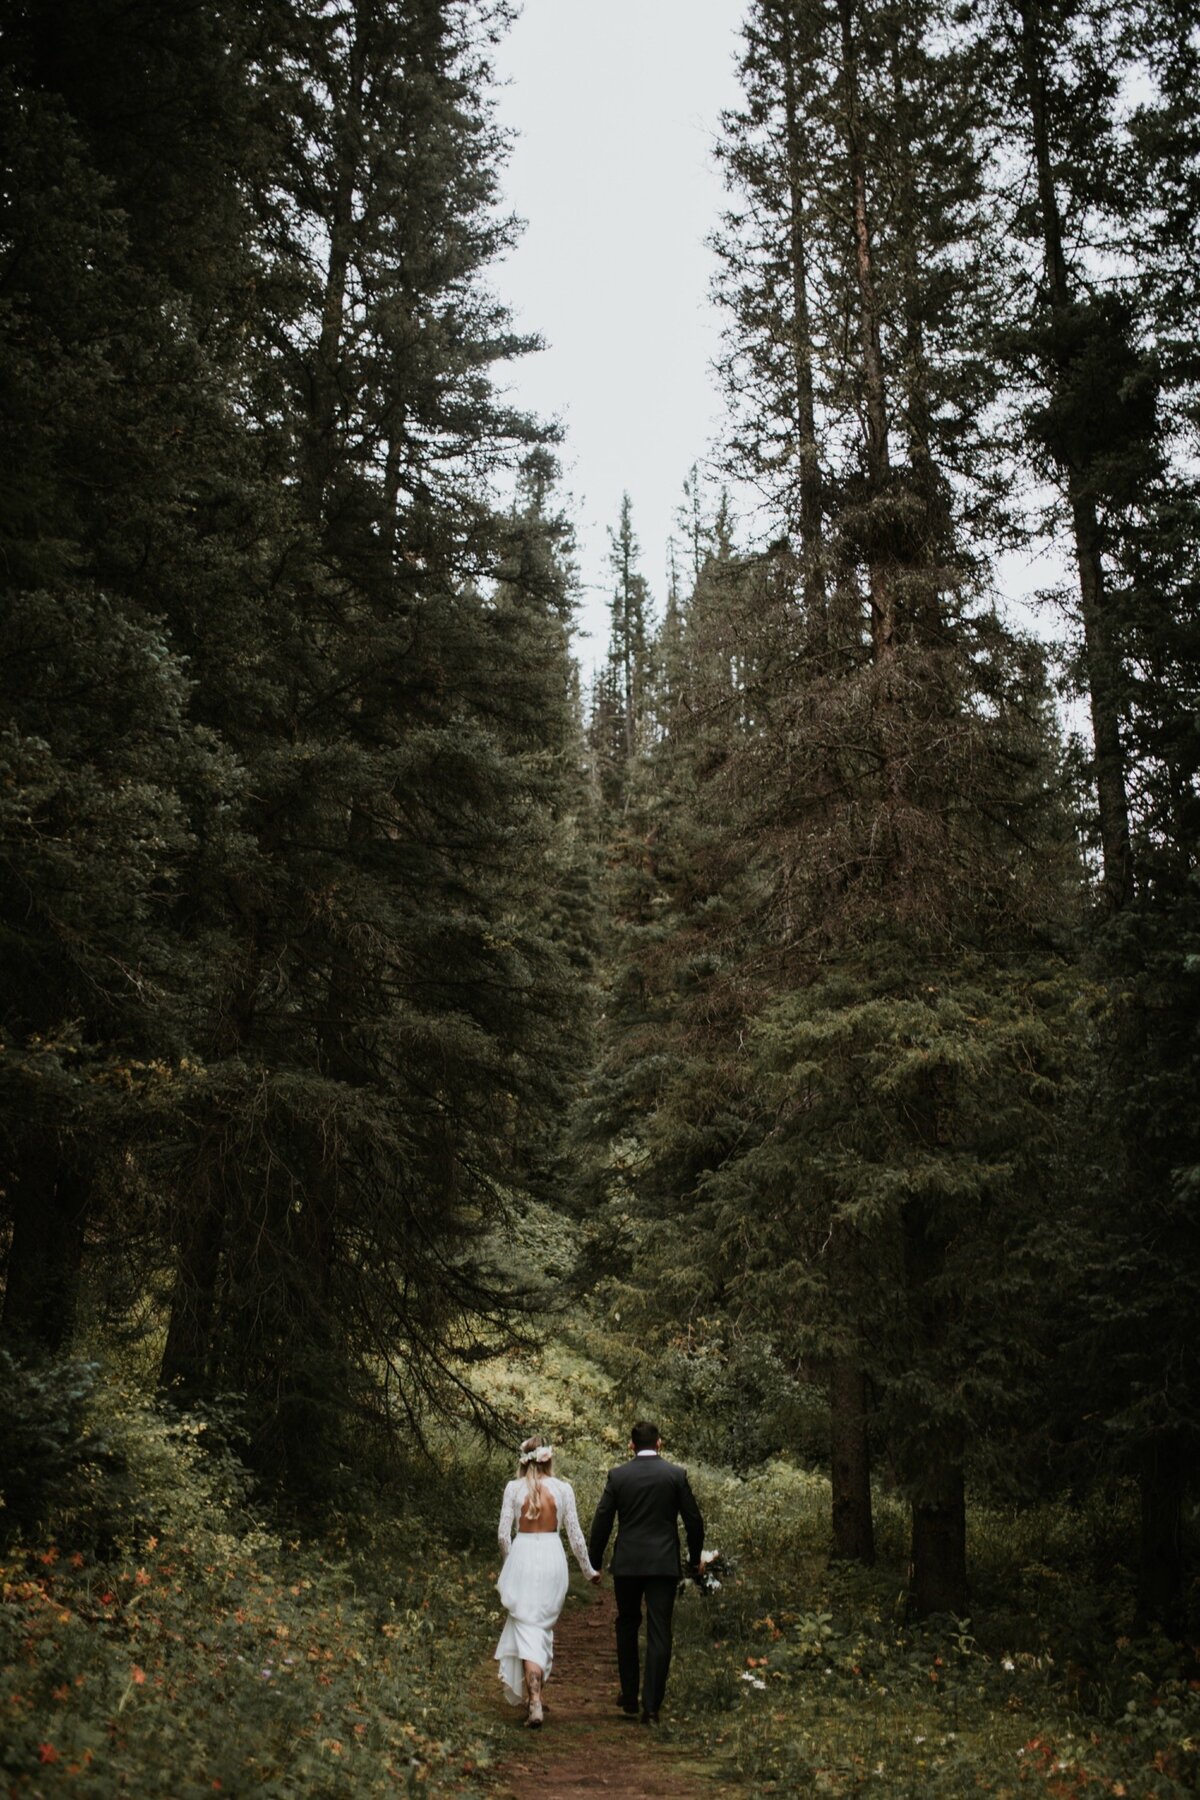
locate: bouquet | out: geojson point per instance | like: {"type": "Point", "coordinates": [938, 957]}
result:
{"type": "Point", "coordinates": [713, 1566]}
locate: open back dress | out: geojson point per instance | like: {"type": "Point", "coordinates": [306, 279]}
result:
{"type": "Point", "coordinates": [533, 1581]}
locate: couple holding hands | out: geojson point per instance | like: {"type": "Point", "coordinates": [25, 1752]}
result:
{"type": "Point", "coordinates": [645, 1497]}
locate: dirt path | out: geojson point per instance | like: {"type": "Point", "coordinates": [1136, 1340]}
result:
{"type": "Point", "coordinates": [588, 1748]}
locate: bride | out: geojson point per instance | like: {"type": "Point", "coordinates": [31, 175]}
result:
{"type": "Point", "coordinates": [533, 1581]}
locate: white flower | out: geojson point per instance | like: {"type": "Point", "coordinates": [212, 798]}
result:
{"type": "Point", "coordinates": [918, 1737]}
{"type": "Point", "coordinates": [754, 1680]}
{"type": "Point", "coordinates": [1006, 1662]}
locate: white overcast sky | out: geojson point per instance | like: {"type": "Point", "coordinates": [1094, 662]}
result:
{"type": "Point", "coordinates": [616, 104]}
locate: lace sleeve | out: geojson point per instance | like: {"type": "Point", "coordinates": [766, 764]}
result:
{"type": "Point", "coordinates": [569, 1517]}
{"type": "Point", "coordinates": [508, 1517]}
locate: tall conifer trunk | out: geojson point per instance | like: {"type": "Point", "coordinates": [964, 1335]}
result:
{"type": "Point", "coordinates": [878, 455]}
{"type": "Point", "coordinates": [45, 1259]}
{"type": "Point", "coordinates": [939, 1513]}
{"type": "Point", "coordinates": [850, 1462]}
{"type": "Point", "coordinates": [802, 353]}
{"type": "Point", "coordinates": [1161, 1480]}
{"type": "Point", "coordinates": [938, 1516]}
{"type": "Point", "coordinates": [939, 1543]}
{"type": "Point", "coordinates": [1103, 675]}
{"type": "Point", "coordinates": [1160, 1471]}
{"type": "Point", "coordinates": [320, 449]}
{"type": "Point", "coordinates": [203, 1208]}
{"type": "Point", "coordinates": [185, 1358]}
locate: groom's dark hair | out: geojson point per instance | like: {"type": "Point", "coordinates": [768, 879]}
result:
{"type": "Point", "coordinates": [645, 1435]}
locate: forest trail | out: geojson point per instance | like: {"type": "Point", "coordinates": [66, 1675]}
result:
{"type": "Point", "coordinates": [587, 1747]}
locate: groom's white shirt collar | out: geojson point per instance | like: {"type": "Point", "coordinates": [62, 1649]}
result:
{"type": "Point", "coordinates": [647, 1452]}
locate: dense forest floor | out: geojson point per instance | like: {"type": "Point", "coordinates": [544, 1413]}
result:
{"type": "Point", "coordinates": [207, 1654]}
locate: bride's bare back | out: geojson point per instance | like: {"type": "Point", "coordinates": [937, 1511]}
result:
{"type": "Point", "coordinates": [547, 1519]}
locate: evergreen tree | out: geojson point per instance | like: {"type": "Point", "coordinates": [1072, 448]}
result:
{"type": "Point", "coordinates": [1107, 422]}
{"type": "Point", "coordinates": [883, 778]}
{"type": "Point", "coordinates": [629, 644]}
{"type": "Point", "coordinates": [321, 750]}
{"type": "Point", "coordinates": [120, 804]}
{"type": "Point", "coordinates": [387, 1041]}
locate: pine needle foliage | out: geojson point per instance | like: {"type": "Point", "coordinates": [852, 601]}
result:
{"type": "Point", "coordinates": [291, 1008]}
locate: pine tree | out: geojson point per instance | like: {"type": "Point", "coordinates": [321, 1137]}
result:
{"type": "Point", "coordinates": [889, 751]}
{"type": "Point", "coordinates": [381, 1039]}
{"type": "Point", "coordinates": [1114, 397]}
{"type": "Point", "coordinates": [120, 803]}
{"type": "Point", "coordinates": [629, 644]}
{"type": "Point", "coordinates": [326, 998]}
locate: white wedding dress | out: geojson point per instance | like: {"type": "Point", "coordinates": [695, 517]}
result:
{"type": "Point", "coordinates": [533, 1582]}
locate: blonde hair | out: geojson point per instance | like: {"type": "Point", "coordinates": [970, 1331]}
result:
{"type": "Point", "coordinates": [533, 1467]}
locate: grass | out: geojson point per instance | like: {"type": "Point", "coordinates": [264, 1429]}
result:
{"type": "Point", "coordinates": [157, 1638]}
{"type": "Point", "coordinates": [803, 1676]}
{"type": "Point", "coordinates": [186, 1649]}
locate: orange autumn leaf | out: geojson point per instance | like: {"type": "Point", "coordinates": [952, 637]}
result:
{"type": "Point", "coordinates": [47, 1753]}
{"type": "Point", "coordinates": [137, 1676]}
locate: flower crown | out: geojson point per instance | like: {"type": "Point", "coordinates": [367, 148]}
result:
{"type": "Point", "coordinates": [544, 1455]}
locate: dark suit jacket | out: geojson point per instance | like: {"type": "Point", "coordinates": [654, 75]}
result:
{"type": "Point", "coordinates": [646, 1496]}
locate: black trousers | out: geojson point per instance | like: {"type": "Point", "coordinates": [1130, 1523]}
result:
{"type": "Point", "coordinates": [658, 1591]}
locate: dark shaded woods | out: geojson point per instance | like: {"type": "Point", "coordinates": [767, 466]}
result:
{"type": "Point", "coordinates": [885, 1124]}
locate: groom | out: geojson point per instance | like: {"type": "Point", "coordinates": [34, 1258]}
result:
{"type": "Point", "coordinates": [646, 1496]}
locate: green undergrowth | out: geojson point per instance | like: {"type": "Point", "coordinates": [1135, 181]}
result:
{"type": "Point", "coordinates": [800, 1676]}
{"type": "Point", "coordinates": [805, 1676]}
{"type": "Point", "coordinates": [157, 1639]}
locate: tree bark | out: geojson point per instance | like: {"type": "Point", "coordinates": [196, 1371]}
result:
{"type": "Point", "coordinates": [812, 548]}
{"type": "Point", "coordinates": [878, 453]}
{"type": "Point", "coordinates": [939, 1515]}
{"type": "Point", "coordinates": [1160, 1549]}
{"type": "Point", "coordinates": [186, 1368]}
{"type": "Point", "coordinates": [915, 375]}
{"type": "Point", "coordinates": [939, 1543]}
{"type": "Point", "coordinates": [850, 1463]}
{"type": "Point", "coordinates": [185, 1359]}
{"type": "Point", "coordinates": [1099, 649]}
{"type": "Point", "coordinates": [45, 1258]}
{"type": "Point", "coordinates": [321, 424]}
